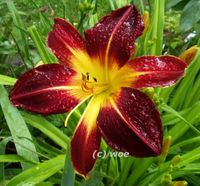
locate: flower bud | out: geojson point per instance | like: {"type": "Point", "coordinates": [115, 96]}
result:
{"type": "Point", "coordinates": [146, 21]}
{"type": "Point", "coordinates": [176, 160]}
{"type": "Point", "coordinates": [166, 147]}
{"type": "Point", "coordinates": [179, 183]}
{"type": "Point", "coordinates": [149, 92]}
{"type": "Point", "coordinates": [167, 180]}
{"type": "Point", "coordinates": [189, 54]}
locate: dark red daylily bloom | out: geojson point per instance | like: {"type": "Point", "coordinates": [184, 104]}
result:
{"type": "Point", "coordinates": [98, 68]}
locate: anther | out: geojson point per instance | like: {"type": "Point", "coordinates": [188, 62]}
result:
{"type": "Point", "coordinates": [83, 76]}
{"type": "Point", "coordinates": [95, 79]}
{"type": "Point", "coordinates": [87, 76]}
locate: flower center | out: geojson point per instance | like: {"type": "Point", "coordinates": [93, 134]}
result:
{"type": "Point", "coordinates": [96, 78]}
{"type": "Point", "coordinates": [90, 84]}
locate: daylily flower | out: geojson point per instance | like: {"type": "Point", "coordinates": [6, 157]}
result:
{"type": "Point", "coordinates": [98, 69]}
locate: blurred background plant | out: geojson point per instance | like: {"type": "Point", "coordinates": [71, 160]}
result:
{"type": "Point", "coordinates": [34, 150]}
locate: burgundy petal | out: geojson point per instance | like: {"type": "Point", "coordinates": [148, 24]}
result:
{"type": "Point", "coordinates": [46, 89]}
{"type": "Point", "coordinates": [115, 33]}
{"type": "Point", "coordinates": [62, 39]}
{"type": "Point", "coordinates": [156, 71]}
{"type": "Point", "coordinates": [86, 140]}
{"type": "Point", "coordinates": [131, 123]}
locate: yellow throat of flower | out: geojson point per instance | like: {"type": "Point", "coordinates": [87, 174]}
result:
{"type": "Point", "coordinates": [96, 78]}
{"type": "Point", "coordinates": [98, 81]}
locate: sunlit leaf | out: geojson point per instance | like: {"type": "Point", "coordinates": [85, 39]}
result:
{"type": "Point", "coordinates": [38, 173]}
{"type": "Point", "coordinates": [6, 80]}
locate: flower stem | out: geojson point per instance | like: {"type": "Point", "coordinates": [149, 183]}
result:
{"type": "Point", "coordinates": [154, 38]}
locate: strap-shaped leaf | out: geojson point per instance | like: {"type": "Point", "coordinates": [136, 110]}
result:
{"type": "Point", "coordinates": [18, 129]}
{"type": "Point", "coordinates": [38, 173]}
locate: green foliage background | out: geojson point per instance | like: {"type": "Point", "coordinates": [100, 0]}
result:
{"type": "Point", "coordinates": [34, 150]}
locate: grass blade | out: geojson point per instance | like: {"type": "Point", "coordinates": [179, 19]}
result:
{"type": "Point", "coordinates": [155, 32]}
{"type": "Point", "coordinates": [38, 173]}
{"type": "Point", "coordinates": [47, 128]}
{"type": "Point", "coordinates": [20, 132]}
{"type": "Point", "coordinates": [181, 127]}
{"type": "Point", "coordinates": [42, 50]}
{"type": "Point", "coordinates": [21, 37]}
{"type": "Point", "coordinates": [68, 174]}
{"type": "Point", "coordinates": [185, 142]}
{"type": "Point", "coordinates": [190, 157]}
{"type": "Point", "coordinates": [13, 158]}
{"type": "Point", "coordinates": [6, 80]}
{"type": "Point", "coordinates": [184, 89]}
{"type": "Point", "coordinates": [172, 111]}
{"type": "Point", "coordinates": [3, 144]}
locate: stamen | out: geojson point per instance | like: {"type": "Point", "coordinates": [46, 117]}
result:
{"type": "Point", "coordinates": [83, 76]}
{"type": "Point", "coordinates": [74, 109]}
{"type": "Point", "coordinates": [95, 79]}
{"type": "Point", "coordinates": [86, 88]}
{"type": "Point", "coordinates": [91, 85]}
{"type": "Point", "coordinates": [87, 76]}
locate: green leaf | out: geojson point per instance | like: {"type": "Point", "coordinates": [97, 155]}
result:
{"type": "Point", "coordinates": [42, 50]}
{"type": "Point", "coordinates": [95, 179]}
{"type": "Point", "coordinates": [47, 128]}
{"type": "Point", "coordinates": [20, 132]}
{"type": "Point", "coordinates": [190, 157]}
{"type": "Point", "coordinates": [20, 35]}
{"type": "Point", "coordinates": [193, 116]}
{"type": "Point", "coordinates": [3, 144]}
{"type": "Point", "coordinates": [172, 111]}
{"type": "Point", "coordinates": [68, 173]}
{"type": "Point", "coordinates": [44, 184]}
{"type": "Point", "coordinates": [191, 169]}
{"type": "Point", "coordinates": [142, 166]}
{"type": "Point", "coordinates": [38, 173]}
{"type": "Point", "coordinates": [6, 80]}
{"type": "Point", "coordinates": [13, 158]}
{"type": "Point", "coordinates": [190, 15]}
{"type": "Point", "coordinates": [185, 142]}
{"type": "Point", "coordinates": [155, 31]}
{"type": "Point", "coordinates": [71, 11]}
{"type": "Point", "coordinates": [172, 3]}
{"type": "Point", "coordinates": [185, 86]}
